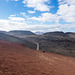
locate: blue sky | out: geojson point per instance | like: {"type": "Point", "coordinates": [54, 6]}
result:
{"type": "Point", "coordinates": [37, 15]}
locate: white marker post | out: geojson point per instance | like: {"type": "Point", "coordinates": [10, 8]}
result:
{"type": "Point", "coordinates": [37, 45]}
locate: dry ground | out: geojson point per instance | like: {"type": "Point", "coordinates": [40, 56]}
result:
{"type": "Point", "coordinates": [17, 59]}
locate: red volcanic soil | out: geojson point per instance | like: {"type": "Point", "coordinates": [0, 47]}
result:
{"type": "Point", "coordinates": [16, 59]}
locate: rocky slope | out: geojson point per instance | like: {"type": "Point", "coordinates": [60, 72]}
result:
{"type": "Point", "coordinates": [56, 42]}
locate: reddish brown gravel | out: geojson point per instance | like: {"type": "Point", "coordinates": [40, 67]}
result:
{"type": "Point", "coordinates": [16, 59]}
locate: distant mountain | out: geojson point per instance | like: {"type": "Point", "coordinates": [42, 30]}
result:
{"type": "Point", "coordinates": [14, 39]}
{"type": "Point", "coordinates": [20, 33]}
{"type": "Point", "coordinates": [57, 33]}
{"type": "Point", "coordinates": [3, 32]}
{"type": "Point", "coordinates": [39, 33]}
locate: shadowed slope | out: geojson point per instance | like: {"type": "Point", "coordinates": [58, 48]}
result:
{"type": "Point", "coordinates": [16, 59]}
{"type": "Point", "coordinates": [56, 42]}
{"type": "Point", "coordinates": [14, 39]}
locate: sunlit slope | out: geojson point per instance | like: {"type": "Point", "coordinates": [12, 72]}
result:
{"type": "Point", "coordinates": [16, 59]}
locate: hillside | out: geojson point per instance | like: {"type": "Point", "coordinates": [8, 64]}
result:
{"type": "Point", "coordinates": [56, 42]}
{"type": "Point", "coordinates": [39, 33]}
{"type": "Point", "coordinates": [14, 39]}
{"type": "Point", "coordinates": [20, 33]}
{"type": "Point", "coordinates": [16, 59]}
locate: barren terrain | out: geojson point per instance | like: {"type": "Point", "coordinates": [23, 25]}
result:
{"type": "Point", "coordinates": [16, 59]}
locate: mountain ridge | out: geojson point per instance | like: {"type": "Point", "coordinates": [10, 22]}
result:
{"type": "Point", "coordinates": [55, 42]}
{"type": "Point", "coordinates": [20, 33]}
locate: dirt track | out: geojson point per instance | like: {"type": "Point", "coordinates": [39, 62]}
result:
{"type": "Point", "coordinates": [17, 59]}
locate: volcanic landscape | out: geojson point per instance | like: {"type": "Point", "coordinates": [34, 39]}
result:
{"type": "Point", "coordinates": [17, 59]}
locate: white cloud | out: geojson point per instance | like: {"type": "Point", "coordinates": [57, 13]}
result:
{"type": "Point", "coordinates": [67, 10]}
{"type": "Point", "coordinates": [66, 1]}
{"type": "Point", "coordinates": [8, 25]}
{"type": "Point", "coordinates": [39, 5]}
{"type": "Point", "coordinates": [46, 17]}
{"type": "Point", "coordinates": [48, 28]}
{"type": "Point", "coordinates": [12, 15]}
{"type": "Point", "coordinates": [42, 28]}
{"type": "Point", "coordinates": [22, 13]}
{"type": "Point", "coordinates": [31, 12]}
{"type": "Point", "coordinates": [13, 23]}
{"type": "Point", "coordinates": [14, 0]}
{"type": "Point", "coordinates": [16, 19]}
